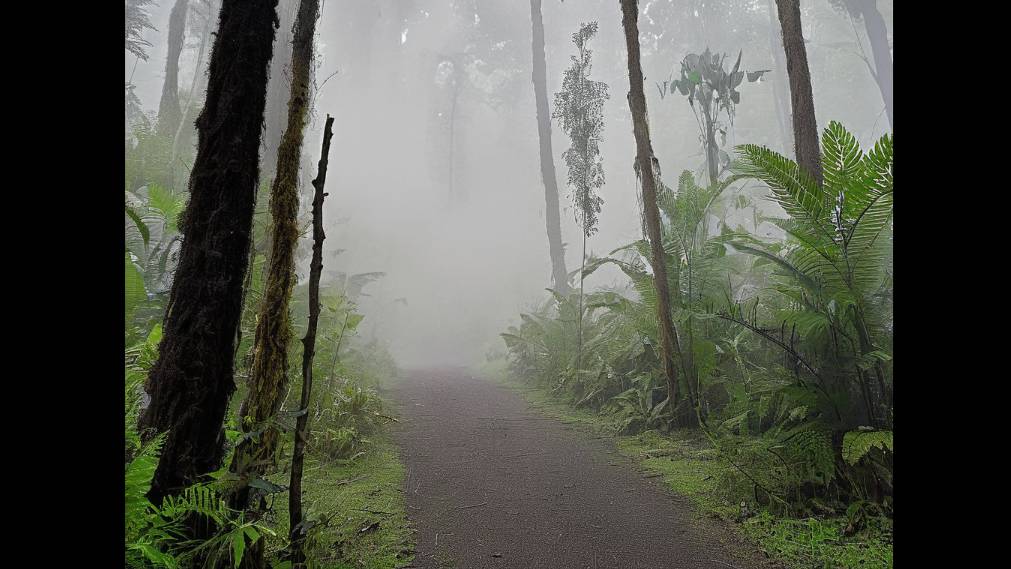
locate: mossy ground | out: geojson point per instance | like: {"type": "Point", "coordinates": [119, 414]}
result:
{"type": "Point", "coordinates": [364, 503]}
{"type": "Point", "coordinates": [690, 467]}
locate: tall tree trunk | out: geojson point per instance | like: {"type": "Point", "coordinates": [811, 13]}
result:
{"type": "Point", "coordinates": [278, 91]}
{"type": "Point", "coordinates": [779, 80]}
{"type": "Point", "coordinates": [198, 75]}
{"type": "Point", "coordinates": [805, 128]}
{"type": "Point", "coordinates": [269, 374]}
{"type": "Point", "coordinates": [297, 535]}
{"type": "Point", "coordinates": [877, 34]}
{"type": "Point", "coordinates": [268, 378]}
{"type": "Point", "coordinates": [552, 215]}
{"type": "Point", "coordinates": [169, 113]}
{"type": "Point", "coordinates": [644, 162]}
{"type": "Point", "coordinates": [191, 381]}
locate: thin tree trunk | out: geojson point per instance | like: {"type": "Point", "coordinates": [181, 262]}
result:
{"type": "Point", "coordinates": [644, 161]}
{"type": "Point", "coordinates": [168, 108]}
{"type": "Point", "coordinates": [308, 351]}
{"type": "Point", "coordinates": [712, 151]}
{"type": "Point", "coordinates": [197, 74]}
{"type": "Point", "coordinates": [877, 34]}
{"type": "Point", "coordinates": [805, 128]}
{"type": "Point", "coordinates": [552, 215]}
{"type": "Point", "coordinates": [579, 347]}
{"type": "Point", "coordinates": [779, 80]}
{"type": "Point", "coordinates": [191, 381]}
{"type": "Point", "coordinates": [337, 348]}
{"type": "Point", "coordinates": [269, 374]}
{"type": "Point", "coordinates": [278, 91]}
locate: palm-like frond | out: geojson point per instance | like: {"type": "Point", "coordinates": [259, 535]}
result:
{"type": "Point", "coordinates": [795, 190]}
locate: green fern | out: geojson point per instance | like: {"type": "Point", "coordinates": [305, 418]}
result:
{"type": "Point", "coordinates": [837, 254]}
{"type": "Point", "coordinates": [856, 444]}
{"type": "Point", "coordinates": [809, 452]}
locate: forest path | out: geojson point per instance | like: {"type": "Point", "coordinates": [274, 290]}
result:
{"type": "Point", "coordinates": [490, 483]}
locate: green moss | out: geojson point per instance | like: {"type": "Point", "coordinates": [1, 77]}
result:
{"type": "Point", "coordinates": [364, 502]}
{"type": "Point", "coordinates": [819, 543]}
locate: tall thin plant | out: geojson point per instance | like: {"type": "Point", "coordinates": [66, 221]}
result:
{"type": "Point", "coordinates": [579, 109]}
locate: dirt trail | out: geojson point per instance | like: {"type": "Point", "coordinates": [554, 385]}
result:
{"type": "Point", "coordinates": [492, 483]}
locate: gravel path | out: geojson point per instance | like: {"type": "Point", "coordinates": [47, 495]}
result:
{"type": "Point", "coordinates": [493, 484]}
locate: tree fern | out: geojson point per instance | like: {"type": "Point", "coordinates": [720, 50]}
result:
{"type": "Point", "coordinates": [856, 444]}
{"type": "Point", "coordinates": [840, 240]}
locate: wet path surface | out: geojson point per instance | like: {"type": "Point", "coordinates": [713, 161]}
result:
{"type": "Point", "coordinates": [492, 483]}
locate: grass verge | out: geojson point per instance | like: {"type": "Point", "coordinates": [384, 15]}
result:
{"type": "Point", "coordinates": [360, 507]}
{"type": "Point", "coordinates": [690, 467]}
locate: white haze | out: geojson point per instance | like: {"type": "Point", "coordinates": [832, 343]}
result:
{"type": "Point", "coordinates": [467, 268]}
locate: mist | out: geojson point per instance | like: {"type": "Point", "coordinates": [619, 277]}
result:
{"type": "Point", "coordinates": [435, 352]}
{"type": "Point", "coordinates": [459, 267]}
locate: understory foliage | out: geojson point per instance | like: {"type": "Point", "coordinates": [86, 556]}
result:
{"type": "Point", "coordinates": [346, 410]}
{"type": "Point", "coordinates": [157, 536]}
{"type": "Point", "coordinates": [785, 343]}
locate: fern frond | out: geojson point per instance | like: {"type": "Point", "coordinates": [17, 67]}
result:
{"type": "Point", "coordinates": [794, 189]}
{"type": "Point", "coordinates": [856, 444]}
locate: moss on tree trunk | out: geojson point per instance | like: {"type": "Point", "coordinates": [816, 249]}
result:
{"type": "Point", "coordinates": [192, 380]}
{"type": "Point", "coordinates": [269, 373]}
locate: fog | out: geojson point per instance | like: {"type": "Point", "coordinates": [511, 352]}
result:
{"type": "Point", "coordinates": [454, 216]}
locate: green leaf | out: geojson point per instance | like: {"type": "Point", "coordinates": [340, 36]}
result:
{"type": "Point", "coordinates": [266, 485]}
{"type": "Point", "coordinates": [154, 336]}
{"type": "Point", "coordinates": [145, 233]}
{"type": "Point", "coordinates": [251, 533]}
{"type": "Point", "coordinates": [166, 203]}
{"type": "Point", "coordinates": [354, 320]}
{"type": "Point", "coordinates": [856, 444]}
{"type": "Point", "coordinates": [238, 547]}
{"type": "Point", "coordinates": [134, 288]}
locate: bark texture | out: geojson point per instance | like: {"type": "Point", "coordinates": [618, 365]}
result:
{"type": "Point", "coordinates": [552, 215]}
{"type": "Point", "coordinates": [192, 380]}
{"type": "Point", "coordinates": [169, 112]}
{"type": "Point", "coordinates": [275, 117]}
{"type": "Point", "coordinates": [308, 352]}
{"type": "Point", "coordinates": [805, 128]}
{"type": "Point", "coordinates": [644, 164]}
{"type": "Point", "coordinates": [268, 378]}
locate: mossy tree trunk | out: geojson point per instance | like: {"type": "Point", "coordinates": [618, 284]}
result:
{"type": "Point", "coordinates": [805, 128]}
{"type": "Point", "coordinates": [297, 534]}
{"type": "Point", "coordinates": [269, 374]}
{"type": "Point", "coordinates": [552, 215]}
{"type": "Point", "coordinates": [644, 163]}
{"type": "Point", "coordinates": [278, 92]}
{"type": "Point", "coordinates": [169, 112]}
{"type": "Point", "coordinates": [192, 380]}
